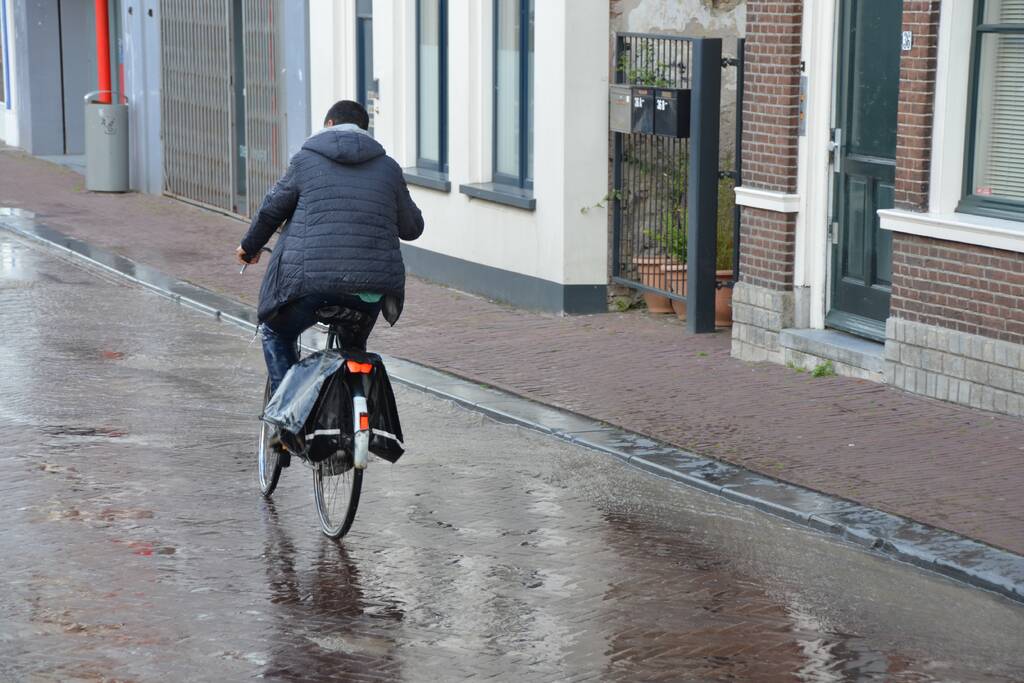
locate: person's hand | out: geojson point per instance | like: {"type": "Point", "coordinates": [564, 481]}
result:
{"type": "Point", "coordinates": [240, 253]}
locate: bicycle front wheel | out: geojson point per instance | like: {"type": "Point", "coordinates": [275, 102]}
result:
{"type": "Point", "coordinates": [336, 488]}
{"type": "Point", "coordinates": [268, 462]}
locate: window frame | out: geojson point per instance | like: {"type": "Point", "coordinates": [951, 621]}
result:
{"type": "Point", "coordinates": [364, 13]}
{"type": "Point", "coordinates": [5, 61]}
{"type": "Point", "coordinates": [440, 164]}
{"type": "Point", "coordinates": [983, 205]}
{"type": "Point", "coordinates": [524, 179]}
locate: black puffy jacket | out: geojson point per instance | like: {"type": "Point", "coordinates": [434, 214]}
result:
{"type": "Point", "coordinates": [346, 205]}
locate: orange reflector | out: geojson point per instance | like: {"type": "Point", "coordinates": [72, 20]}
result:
{"type": "Point", "coordinates": [364, 422]}
{"type": "Point", "coordinates": [359, 368]}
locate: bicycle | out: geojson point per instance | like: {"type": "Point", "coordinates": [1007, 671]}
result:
{"type": "Point", "coordinates": [338, 479]}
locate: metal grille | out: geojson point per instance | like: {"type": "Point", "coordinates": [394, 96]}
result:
{"type": "Point", "coordinates": [207, 148]}
{"type": "Point", "coordinates": [651, 174]}
{"type": "Point", "coordinates": [196, 96]}
{"type": "Point", "coordinates": [265, 155]}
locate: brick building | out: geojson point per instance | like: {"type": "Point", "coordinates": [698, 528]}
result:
{"type": "Point", "coordinates": [882, 195]}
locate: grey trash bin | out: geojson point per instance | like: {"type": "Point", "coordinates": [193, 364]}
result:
{"type": "Point", "coordinates": [106, 145]}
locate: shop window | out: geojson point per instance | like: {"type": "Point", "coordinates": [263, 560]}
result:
{"type": "Point", "coordinates": [994, 184]}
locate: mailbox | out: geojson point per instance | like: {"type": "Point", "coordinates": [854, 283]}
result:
{"type": "Point", "coordinates": [672, 112]}
{"type": "Point", "coordinates": [620, 109]}
{"type": "Point", "coordinates": [643, 110]}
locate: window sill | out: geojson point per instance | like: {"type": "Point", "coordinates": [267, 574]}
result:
{"type": "Point", "coordinates": [424, 177]}
{"type": "Point", "coordinates": [508, 195]}
{"type": "Point", "coordinates": [983, 231]}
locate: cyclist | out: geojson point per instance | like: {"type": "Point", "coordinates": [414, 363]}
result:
{"type": "Point", "coordinates": [345, 205]}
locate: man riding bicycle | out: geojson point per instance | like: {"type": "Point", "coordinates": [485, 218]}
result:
{"type": "Point", "coordinates": [345, 205]}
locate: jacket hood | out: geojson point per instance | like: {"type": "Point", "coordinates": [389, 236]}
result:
{"type": "Point", "coordinates": [345, 144]}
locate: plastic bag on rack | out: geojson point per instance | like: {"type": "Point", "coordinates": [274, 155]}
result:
{"type": "Point", "coordinates": [293, 402]}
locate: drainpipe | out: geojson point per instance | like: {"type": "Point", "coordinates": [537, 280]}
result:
{"type": "Point", "coordinates": [103, 51]}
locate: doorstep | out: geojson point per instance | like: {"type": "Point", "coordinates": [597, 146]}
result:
{"type": "Point", "coordinates": [850, 356]}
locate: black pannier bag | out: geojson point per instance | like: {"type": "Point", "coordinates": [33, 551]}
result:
{"type": "Point", "coordinates": [313, 408]}
{"type": "Point", "coordinates": [386, 440]}
{"type": "Point", "coordinates": [328, 430]}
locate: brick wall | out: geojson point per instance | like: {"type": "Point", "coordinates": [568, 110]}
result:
{"type": "Point", "coordinates": [916, 104]}
{"type": "Point", "coordinates": [767, 242]}
{"type": "Point", "coordinates": [957, 286]}
{"type": "Point", "coordinates": [771, 96]}
{"type": "Point", "coordinates": [771, 101]}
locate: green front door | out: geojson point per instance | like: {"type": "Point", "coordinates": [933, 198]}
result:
{"type": "Point", "coordinates": [865, 164]}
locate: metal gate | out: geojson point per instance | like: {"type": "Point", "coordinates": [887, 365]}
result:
{"type": "Point", "coordinates": [264, 144]}
{"type": "Point", "coordinates": [665, 188]}
{"type": "Point", "coordinates": [220, 103]}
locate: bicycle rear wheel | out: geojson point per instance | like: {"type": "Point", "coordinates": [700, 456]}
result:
{"type": "Point", "coordinates": [336, 489]}
{"type": "Point", "coordinates": [268, 462]}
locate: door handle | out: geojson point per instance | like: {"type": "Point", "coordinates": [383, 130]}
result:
{"type": "Point", "coordinates": [835, 146]}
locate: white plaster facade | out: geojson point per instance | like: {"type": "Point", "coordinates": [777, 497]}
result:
{"type": "Point", "coordinates": [8, 108]}
{"type": "Point", "coordinates": [564, 240]}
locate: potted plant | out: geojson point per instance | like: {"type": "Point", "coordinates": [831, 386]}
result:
{"type": "Point", "coordinates": [724, 264]}
{"type": "Point", "coordinates": [651, 273]}
{"type": "Point", "coordinates": [673, 242]}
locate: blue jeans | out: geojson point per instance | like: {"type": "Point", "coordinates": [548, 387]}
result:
{"type": "Point", "coordinates": [281, 332]}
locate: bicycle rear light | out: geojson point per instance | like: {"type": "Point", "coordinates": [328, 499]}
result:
{"type": "Point", "coordinates": [358, 368]}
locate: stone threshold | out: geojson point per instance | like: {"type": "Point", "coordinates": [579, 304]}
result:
{"type": "Point", "coordinates": [850, 356]}
{"type": "Point", "coordinates": [930, 548]}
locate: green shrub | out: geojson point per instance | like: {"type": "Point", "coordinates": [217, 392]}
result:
{"type": "Point", "coordinates": [825, 369]}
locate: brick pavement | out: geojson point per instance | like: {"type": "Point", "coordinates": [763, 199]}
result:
{"type": "Point", "coordinates": [952, 467]}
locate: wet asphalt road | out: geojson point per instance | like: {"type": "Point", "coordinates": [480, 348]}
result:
{"type": "Point", "coordinates": [135, 546]}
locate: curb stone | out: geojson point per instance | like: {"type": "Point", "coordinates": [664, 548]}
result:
{"type": "Point", "coordinates": [944, 552]}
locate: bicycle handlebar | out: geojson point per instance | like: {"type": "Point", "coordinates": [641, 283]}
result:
{"type": "Point", "coordinates": [246, 265]}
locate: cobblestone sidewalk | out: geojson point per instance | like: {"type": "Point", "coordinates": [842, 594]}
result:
{"type": "Point", "coordinates": [951, 467]}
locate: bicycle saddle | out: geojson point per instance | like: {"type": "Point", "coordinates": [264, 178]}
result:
{"type": "Point", "coordinates": [339, 315]}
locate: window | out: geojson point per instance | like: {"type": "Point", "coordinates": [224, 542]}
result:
{"type": "Point", "coordinates": [513, 92]}
{"type": "Point", "coordinates": [994, 184]}
{"type": "Point", "coordinates": [432, 85]}
{"type": "Point", "coordinates": [365, 83]}
{"type": "Point", "coordinates": [4, 66]}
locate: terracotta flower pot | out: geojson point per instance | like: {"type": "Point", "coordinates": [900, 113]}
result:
{"type": "Point", "coordinates": [676, 277]}
{"type": "Point", "coordinates": [652, 275]}
{"type": "Point", "coordinates": [675, 274]}
{"type": "Point", "coordinates": [723, 300]}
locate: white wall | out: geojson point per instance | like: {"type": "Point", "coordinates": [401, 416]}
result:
{"type": "Point", "coordinates": [8, 110]}
{"type": "Point", "coordinates": [332, 66]}
{"type": "Point", "coordinates": [556, 242]}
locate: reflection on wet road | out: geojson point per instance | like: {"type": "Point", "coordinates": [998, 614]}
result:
{"type": "Point", "coordinates": [135, 545]}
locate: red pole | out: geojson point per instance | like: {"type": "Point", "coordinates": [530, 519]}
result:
{"type": "Point", "coordinates": [103, 50]}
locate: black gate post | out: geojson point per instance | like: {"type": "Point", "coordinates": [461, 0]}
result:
{"type": "Point", "coordinates": [702, 192]}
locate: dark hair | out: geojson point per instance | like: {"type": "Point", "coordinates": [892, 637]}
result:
{"type": "Point", "coordinates": [347, 111]}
